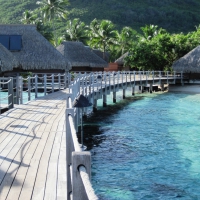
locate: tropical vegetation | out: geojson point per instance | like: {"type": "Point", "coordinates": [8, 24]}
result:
{"type": "Point", "coordinates": [149, 47]}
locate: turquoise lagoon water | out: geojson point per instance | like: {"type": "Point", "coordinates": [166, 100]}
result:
{"type": "Point", "coordinates": [4, 97]}
{"type": "Point", "coordinates": [146, 147]}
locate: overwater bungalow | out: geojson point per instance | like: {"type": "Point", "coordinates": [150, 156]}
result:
{"type": "Point", "coordinates": [7, 60]}
{"type": "Point", "coordinates": [189, 64]}
{"type": "Point", "coordinates": [32, 51]}
{"type": "Point", "coordinates": [80, 57]}
{"type": "Point", "coordinates": [120, 63]}
{"type": "Point", "coordinates": [105, 56]}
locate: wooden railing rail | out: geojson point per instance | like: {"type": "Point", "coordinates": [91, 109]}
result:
{"type": "Point", "coordinates": [26, 89]}
{"type": "Point", "coordinates": [6, 86]}
{"type": "Point", "coordinates": [78, 161]}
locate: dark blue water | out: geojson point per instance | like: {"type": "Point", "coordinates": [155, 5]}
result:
{"type": "Point", "coordinates": [146, 147]}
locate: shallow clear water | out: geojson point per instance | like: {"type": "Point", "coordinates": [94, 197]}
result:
{"type": "Point", "coordinates": [146, 147]}
{"type": "Point", "coordinates": [4, 97]}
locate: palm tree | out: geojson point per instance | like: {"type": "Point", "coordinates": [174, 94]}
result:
{"type": "Point", "coordinates": [52, 9]}
{"type": "Point", "coordinates": [125, 40]}
{"type": "Point", "coordinates": [44, 29]}
{"type": "Point", "coordinates": [76, 31]}
{"type": "Point", "coordinates": [28, 17]}
{"type": "Point", "coordinates": [151, 31]}
{"type": "Point", "coordinates": [102, 35]}
{"type": "Point", "coordinates": [31, 17]}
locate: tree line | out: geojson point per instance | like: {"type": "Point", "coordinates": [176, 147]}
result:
{"type": "Point", "coordinates": [152, 49]}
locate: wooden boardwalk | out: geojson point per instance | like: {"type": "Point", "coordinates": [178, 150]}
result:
{"type": "Point", "coordinates": [33, 141]}
{"type": "Point", "coordinates": [33, 150]}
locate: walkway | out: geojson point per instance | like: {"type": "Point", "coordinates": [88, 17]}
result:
{"type": "Point", "coordinates": [32, 150]}
{"type": "Point", "coordinates": [33, 139]}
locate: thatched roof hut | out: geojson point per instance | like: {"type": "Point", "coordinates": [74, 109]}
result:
{"type": "Point", "coordinates": [188, 63]}
{"type": "Point", "coordinates": [104, 56]}
{"type": "Point", "coordinates": [81, 58]}
{"type": "Point", "coordinates": [33, 51]}
{"type": "Point", "coordinates": [7, 60]}
{"type": "Point", "coordinates": [120, 60]}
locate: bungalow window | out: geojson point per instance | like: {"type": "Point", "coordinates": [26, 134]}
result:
{"type": "Point", "coordinates": [4, 40]}
{"type": "Point", "coordinates": [11, 42]}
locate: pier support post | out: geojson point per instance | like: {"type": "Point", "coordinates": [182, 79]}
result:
{"type": "Point", "coordinates": [94, 105]}
{"type": "Point", "coordinates": [104, 100]}
{"type": "Point", "coordinates": [124, 93]}
{"type": "Point", "coordinates": [162, 86]}
{"type": "Point", "coordinates": [114, 97]}
{"type": "Point", "coordinates": [141, 88]}
{"type": "Point", "coordinates": [133, 90]}
{"type": "Point", "coordinates": [150, 88]}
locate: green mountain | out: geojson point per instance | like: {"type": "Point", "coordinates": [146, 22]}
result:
{"type": "Point", "coordinates": [173, 15]}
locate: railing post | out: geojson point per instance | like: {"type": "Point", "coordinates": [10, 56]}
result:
{"type": "Point", "coordinates": [146, 78]}
{"type": "Point", "coordinates": [114, 82]}
{"type": "Point", "coordinates": [167, 77]}
{"type": "Point", "coordinates": [69, 78]}
{"type": "Point", "coordinates": [21, 89]}
{"type": "Point", "coordinates": [80, 159]}
{"type": "Point", "coordinates": [153, 77]}
{"type": "Point", "coordinates": [160, 77]}
{"type": "Point", "coordinates": [174, 77]}
{"type": "Point", "coordinates": [17, 90]}
{"type": "Point", "coordinates": [90, 82]}
{"type": "Point", "coordinates": [109, 81]}
{"type": "Point", "coordinates": [126, 77]}
{"type": "Point", "coordinates": [182, 83]}
{"type": "Point", "coordinates": [122, 77]}
{"type": "Point", "coordinates": [36, 86]}
{"type": "Point", "coordinates": [59, 81]}
{"type": "Point", "coordinates": [10, 94]}
{"type": "Point", "coordinates": [52, 82]}
{"type": "Point", "coordinates": [69, 149]}
{"type": "Point", "coordinates": [65, 80]}
{"type": "Point", "coordinates": [45, 84]}
{"type": "Point", "coordinates": [118, 79]}
{"type": "Point", "coordinates": [29, 88]}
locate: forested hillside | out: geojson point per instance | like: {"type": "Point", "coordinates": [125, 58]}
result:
{"type": "Point", "coordinates": [172, 15]}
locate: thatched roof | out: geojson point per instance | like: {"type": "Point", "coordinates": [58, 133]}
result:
{"type": "Point", "coordinates": [101, 54]}
{"type": "Point", "coordinates": [120, 60]}
{"type": "Point", "coordinates": [189, 63]}
{"type": "Point", "coordinates": [7, 60]}
{"type": "Point", "coordinates": [36, 52]}
{"type": "Point", "coordinates": [77, 55]}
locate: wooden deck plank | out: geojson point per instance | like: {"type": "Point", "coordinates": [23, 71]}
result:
{"type": "Point", "coordinates": [29, 162]}
{"type": "Point", "coordinates": [40, 184]}
{"type": "Point", "coordinates": [51, 175]}
{"type": "Point", "coordinates": [62, 173]}
{"type": "Point", "coordinates": [21, 174]}
{"type": "Point", "coordinates": [23, 133]}
{"type": "Point", "coordinates": [30, 181]}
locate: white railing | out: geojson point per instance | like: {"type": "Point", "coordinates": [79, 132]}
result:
{"type": "Point", "coordinates": [26, 89]}
{"type": "Point", "coordinates": [29, 88]}
{"type": "Point", "coordinates": [6, 93]}
{"type": "Point", "coordinates": [95, 81]}
{"type": "Point", "coordinates": [78, 161]}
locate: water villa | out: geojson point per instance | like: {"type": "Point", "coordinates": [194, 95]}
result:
{"type": "Point", "coordinates": [32, 51]}
{"type": "Point", "coordinates": [81, 58]}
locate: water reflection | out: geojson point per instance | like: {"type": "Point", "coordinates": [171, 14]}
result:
{"type": "Point", "coordinates": [94, 122]}
{"type": "Point", "coordinates": [149, 149]}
